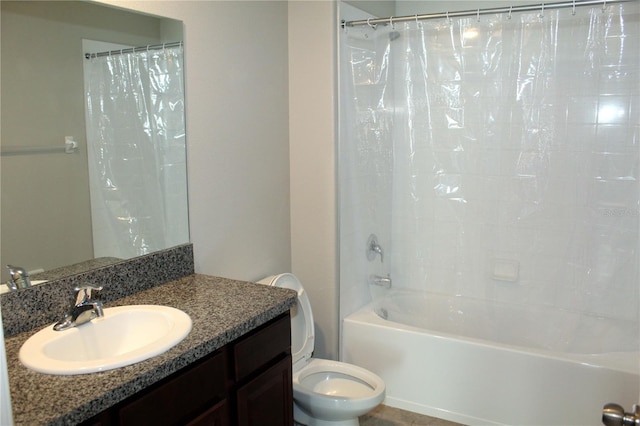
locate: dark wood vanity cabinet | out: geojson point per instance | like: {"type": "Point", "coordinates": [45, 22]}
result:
{"type": "Point", "coordinates": [245, 383]}
{"type": "Point", "coordinates": [267, 399]}
{"type": "Point", "coordinates": [264, 396]}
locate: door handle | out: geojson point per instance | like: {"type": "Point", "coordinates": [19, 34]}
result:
{"type": "Point", "coordinates": [614, 415]}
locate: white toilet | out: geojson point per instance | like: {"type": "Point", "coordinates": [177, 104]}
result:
{"type": "Point", "coordinates": [325, 393]}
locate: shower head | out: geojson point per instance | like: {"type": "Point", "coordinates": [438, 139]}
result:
{"type": "Point", "coordinates": [394, 35]}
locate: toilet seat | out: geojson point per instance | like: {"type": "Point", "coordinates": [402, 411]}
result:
{"type": "Point", "coordinates": [336, 380]}
{"type": "Point", "coordinates": [325, 392]}
{"type": "Point", "coordinates": [302, 328]}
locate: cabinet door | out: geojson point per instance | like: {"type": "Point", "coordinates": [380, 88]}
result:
{"type": "Point", "coordinates": [267, 399]}
{"type": "Point", "coordinates": [181, 397]}
{"type": "Point", "coordinates": [217, 415]}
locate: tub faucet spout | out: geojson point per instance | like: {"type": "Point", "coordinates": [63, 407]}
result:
{"type": "Point", "coordinates": [84, 309]}
{"type": "Point", "coordinates": [380, 281]}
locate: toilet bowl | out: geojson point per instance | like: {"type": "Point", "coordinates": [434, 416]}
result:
{"type": "Point", "coordinates": [325, 392]}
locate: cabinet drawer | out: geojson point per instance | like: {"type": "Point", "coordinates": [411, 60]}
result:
{"type": "Point", "coordinates": [262, 347]}
{"type": "Point", "coordinates": [181, 397]}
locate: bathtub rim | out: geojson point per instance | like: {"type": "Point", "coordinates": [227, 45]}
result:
{"type": "Point", "coordinates": [625, 362]}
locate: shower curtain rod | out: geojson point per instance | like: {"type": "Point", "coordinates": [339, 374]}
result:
{"type": "Point", "coordinates": [133, 49]}
{"type": "Point", "coordinates": [477, 12]}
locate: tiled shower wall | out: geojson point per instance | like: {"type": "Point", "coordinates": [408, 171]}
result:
{"type": "Point", "coordinates": [514, 183]}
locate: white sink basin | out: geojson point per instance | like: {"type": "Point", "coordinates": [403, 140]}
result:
{"type": "Point", "coordinates": [123, 336]}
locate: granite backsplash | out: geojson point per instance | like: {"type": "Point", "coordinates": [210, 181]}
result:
{"type": "Point", "coordinates": [37, 306]}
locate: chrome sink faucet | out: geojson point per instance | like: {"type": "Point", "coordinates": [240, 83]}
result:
{"type": "Point", "coordinates": [19, 278]}
{"type": "Point", "coordinates": [84, 309]}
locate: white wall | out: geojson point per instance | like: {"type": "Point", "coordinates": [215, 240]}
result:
{"type": "Point", "coordinates": [376, 8]}
{"type": "Point", "coordinates": [411, 7]}
{"type": "Point", "coordinates": [312, 124]}
{"type": "Point", "coordinates": [259, 84]}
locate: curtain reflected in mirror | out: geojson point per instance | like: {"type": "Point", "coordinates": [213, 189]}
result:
{"type": "Point", "coordinates": [136, 155]}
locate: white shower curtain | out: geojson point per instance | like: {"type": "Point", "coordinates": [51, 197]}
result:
{"type": "Point", "coordinates": [136, 149]}
{"type": "Point", "coordinates": [496, 157]}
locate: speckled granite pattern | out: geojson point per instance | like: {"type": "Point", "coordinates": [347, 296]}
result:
{"type": "Point", "coordinates": [221, 310]}
{"type": "Point", "coordinates": [76, 268]}
{"type": "Point", "coordinates": [39, 305]}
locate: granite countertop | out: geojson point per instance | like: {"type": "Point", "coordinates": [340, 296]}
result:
{"type": "Point", "coordinates": [221, 310]}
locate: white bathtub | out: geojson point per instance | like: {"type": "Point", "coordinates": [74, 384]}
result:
{"type": "Point", "coordinates": [464, 361]}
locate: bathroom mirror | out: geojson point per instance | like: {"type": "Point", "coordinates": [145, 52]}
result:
{"type": "Point", "coordinates": [48, 220]}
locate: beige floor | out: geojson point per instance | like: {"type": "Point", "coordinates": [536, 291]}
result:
{"type": "Point", "coordinates": [388, 416]}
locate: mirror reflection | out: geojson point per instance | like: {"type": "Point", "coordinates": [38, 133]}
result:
{"type": "Point", "coordinates": [93, 161]}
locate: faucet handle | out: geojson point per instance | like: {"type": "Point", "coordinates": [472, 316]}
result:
{"type": "Point", "coordinates": [373, 248]}
{"type": "Point", "coordinates": [85, 293]}
{"type": "Point", "coordinates": [83, 310]}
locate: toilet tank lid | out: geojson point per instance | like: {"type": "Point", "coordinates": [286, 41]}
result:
{"type": "Point", "coordinates": [302, 328]}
